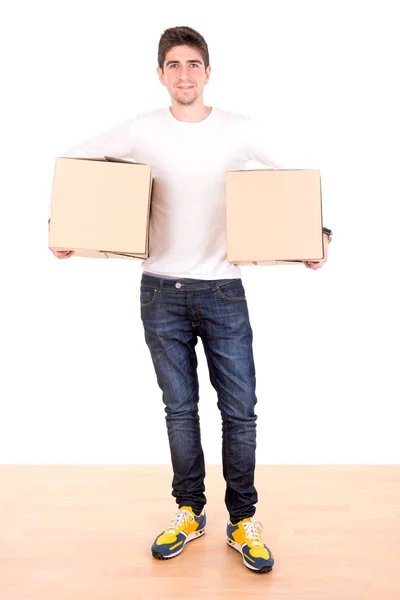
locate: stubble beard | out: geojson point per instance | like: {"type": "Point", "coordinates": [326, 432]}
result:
{"type": "Point", "coordinates": [185, 101]}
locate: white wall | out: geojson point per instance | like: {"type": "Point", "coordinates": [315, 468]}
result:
{"type": "Point", "coordinates": [77, 381]}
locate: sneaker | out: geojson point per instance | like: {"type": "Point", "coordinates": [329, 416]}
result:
{"type": "Point", "coordinates": [184, 527]}
{"type": "Point", "coordinates": [245, 537]}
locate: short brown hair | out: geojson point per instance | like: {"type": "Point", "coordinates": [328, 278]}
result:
{"type": "Point", "coordinates": [182, 36]}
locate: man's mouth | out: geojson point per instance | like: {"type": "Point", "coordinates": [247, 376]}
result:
{"type": "Point", "coordinates": [185, 87]}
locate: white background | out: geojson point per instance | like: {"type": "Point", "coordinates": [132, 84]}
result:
{"type": "Point", "coordinates": [77, 381]}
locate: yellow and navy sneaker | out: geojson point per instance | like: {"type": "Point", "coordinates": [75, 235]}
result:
{"type": "Point", "coordinates": [184, 527]}
{"type": "Point", "coordinates": [245, 537]}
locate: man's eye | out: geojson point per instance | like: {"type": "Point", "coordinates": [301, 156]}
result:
{"type": "Point", "coordinates": [195, 64]}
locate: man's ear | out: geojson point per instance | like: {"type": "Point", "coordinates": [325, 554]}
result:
{"type": "Point", "coordinates": [161, 75]}
{"type": "Point", "coordinates": [208, 73]}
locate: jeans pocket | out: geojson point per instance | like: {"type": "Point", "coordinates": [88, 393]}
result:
{"type": "Point", "coordinates": [148, 295]}
{"type": "Point", "coordinates": [232, 291]}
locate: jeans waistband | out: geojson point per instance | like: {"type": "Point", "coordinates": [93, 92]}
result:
{"type": "Point", "coordinates": [185, 282]}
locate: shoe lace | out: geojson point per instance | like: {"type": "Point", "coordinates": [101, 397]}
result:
{"type": "Point", "coordinates": [253, 531]}
{"type": "Point", "coordinates": [182, 517]}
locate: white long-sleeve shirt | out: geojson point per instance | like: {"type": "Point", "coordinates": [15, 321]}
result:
{"type": "Point", "coordinates": [187, 236]}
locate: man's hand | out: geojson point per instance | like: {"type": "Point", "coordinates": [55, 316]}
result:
{"type": "Point", "coordinates": [61, 253]}
{"type": "Point", "coordinates": [318, 265]}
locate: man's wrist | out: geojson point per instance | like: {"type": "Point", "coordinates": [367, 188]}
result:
{"type": "Point", "coordinates": [327, 232]}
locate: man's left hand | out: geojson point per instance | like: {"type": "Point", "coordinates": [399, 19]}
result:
{"type": "Point", "coordinates": [318, 265]}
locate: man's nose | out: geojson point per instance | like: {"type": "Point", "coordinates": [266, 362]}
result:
{"type": "Point", "coordinates": [184, 71]}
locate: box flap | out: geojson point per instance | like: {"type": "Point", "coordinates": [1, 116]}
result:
{"type": "Point", "coordinates": [123, 160]}
{"type": "Point", "coordinates": [101, 158]}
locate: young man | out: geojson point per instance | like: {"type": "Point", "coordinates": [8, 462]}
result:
{"type": "Point", "coordinates": [189, 290]}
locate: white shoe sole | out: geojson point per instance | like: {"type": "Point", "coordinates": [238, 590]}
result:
{"type": "Point", "coordinates": [239, 548]}
{"type": "Point", "coordinates": [192, 536]}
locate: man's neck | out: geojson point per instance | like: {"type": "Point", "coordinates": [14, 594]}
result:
{"type": "Point", "coordinates": [190, 114]}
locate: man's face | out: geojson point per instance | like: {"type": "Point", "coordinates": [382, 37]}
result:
{"type": "Point", "coordinates": [184, 74]}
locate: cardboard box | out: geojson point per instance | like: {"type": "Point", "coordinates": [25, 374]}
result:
{"type": "Point", "coordinates": [101, 207]}
{"type": "Point", "coordinates": [274, 216]}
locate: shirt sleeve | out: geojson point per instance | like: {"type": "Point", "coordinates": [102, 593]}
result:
{"type": "Point", "coordinates": [278, 151]}
{"type": "Point", "coordinates": [117, 141]}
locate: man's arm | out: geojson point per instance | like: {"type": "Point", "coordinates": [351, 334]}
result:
{"type": "Point", "coordinates": [265, 146]}
{"type": "Point", "coordinates": [272, 148]}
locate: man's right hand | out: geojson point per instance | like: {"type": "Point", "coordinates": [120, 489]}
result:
{"type": "Point", "coordinates": [61, 253]}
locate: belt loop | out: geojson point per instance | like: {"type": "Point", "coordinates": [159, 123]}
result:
{"type": "Point", "coordinates": [214, 287]}
{"type": "Point", "coordinates": [161, 285]}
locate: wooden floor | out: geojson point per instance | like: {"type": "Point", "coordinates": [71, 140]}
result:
{"type": "Point", "coordinates": [84, 533]}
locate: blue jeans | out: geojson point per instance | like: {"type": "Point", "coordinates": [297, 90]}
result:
{"type": "Point", "coordinates": [174, 313]}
